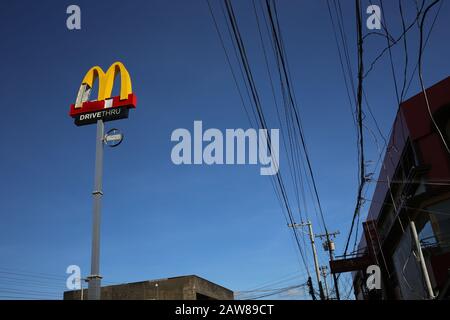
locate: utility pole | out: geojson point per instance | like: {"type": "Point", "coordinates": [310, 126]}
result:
{"type": "Point", "coordinates": [323, 271]}
{"type": "Point", "coordinates": [329, 246]}
{"type": "Point", "coordinates": [311, 288]}
{"type": "Point", "coordinates": [313, 247]}
{"type": "Point", "coordinates": [94, 283]}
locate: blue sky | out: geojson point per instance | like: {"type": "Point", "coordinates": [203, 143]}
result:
{"type": "Point", "coordinates": [160, 220]}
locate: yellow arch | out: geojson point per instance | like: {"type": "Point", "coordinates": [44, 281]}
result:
{"type": "Point", "coordinates": [125, 81]}
{"type": "Point", "coordinates": [93, 74]}
{"type": "Point", "coordinates": [106, 80]}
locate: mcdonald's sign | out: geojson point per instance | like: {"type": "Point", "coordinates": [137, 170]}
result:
{"type": "Point", "coordinates": [106, 108]}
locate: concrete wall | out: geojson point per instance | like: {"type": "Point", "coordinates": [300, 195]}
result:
{"type": "Point", "coordinates": [178, 288]}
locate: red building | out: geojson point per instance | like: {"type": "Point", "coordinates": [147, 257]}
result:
{"type": "Point", "coordinates": [412, 190]}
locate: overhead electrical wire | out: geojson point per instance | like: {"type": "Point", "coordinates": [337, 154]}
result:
{"type": "Point", "coordinates": [424, 46]}
{"type": "Point", "coordinates": [413, 208]}
{"type": "Point", "coordinates": [427, 102]}
{"type": "Point", "coordinates": [393, 42]}
{"type": "Point", "coordinates": [405, 88]}
{"type": "Point", "coordinates": [359, 121]}
{"type": "Point", "coordinates": [293, 164]}
{"type": "Point", "coordinates": [282, 58]}
{"type": "Point", "coordinates": [273, 292]}
{"type": "Point", "coordinates": [261, 118]}
{"type": "Point", "coordinates": [292, 120]}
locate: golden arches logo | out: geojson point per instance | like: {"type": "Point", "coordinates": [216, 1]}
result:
{"type": "Point", "coordinates": [125, 100]}
{"type": "Point", "coordinates": [106, 80]}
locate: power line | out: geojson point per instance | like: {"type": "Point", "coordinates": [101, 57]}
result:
{"type": "Point", "coordinates": [424, 46]}
{"type": "Point", "coordinates": [282, 58]}
{"type": "Point", "coordinates": [284, 279]}
{"type": "Point", "coordinates": [412, 208]}
{"type": "Point", "coordinates": [228, 61]}
{"type": "Point", "coordinates": [359, 120]}
{"type": "Point", "coordinates": [275, 292]}
{"type": "Point", "coordinates": [422, 21]}
{"type": "Point", "coordinates": [259, 111]}
{"type": "Point", "coordinates": [394, 42]}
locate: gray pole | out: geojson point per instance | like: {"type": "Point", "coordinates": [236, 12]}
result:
{"type": "Point", "coordinates": [422, 260]}
{"type": "Point", "coordinates": [335, 280]}
{"type": "Point", "coordinates": [324, 275]}
{"type": "Point", "coordinates": [94, 277]}
{"type": "Point", "coordinates": [316, 260]}
{"type": "Point", "coordinates": [330, 251]}
{"type": "Point", "coordinates": [313, 245]}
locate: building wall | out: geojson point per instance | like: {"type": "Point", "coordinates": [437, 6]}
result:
{"type": "Point", "coordinates": [178, 288]}
{"type": "Point", "coordinates": [418, 166]}
{"type": "Point", "coordinates": [407, 269]}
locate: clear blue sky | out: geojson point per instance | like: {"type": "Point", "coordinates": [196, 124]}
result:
{"type": "Point", "coordinates": [222, 223]}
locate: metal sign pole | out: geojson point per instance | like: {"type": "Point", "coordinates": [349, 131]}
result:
{"type": "Point", "coordinates": [95, 278]}
{"type": "Point", "coordinates": [104, 108]}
